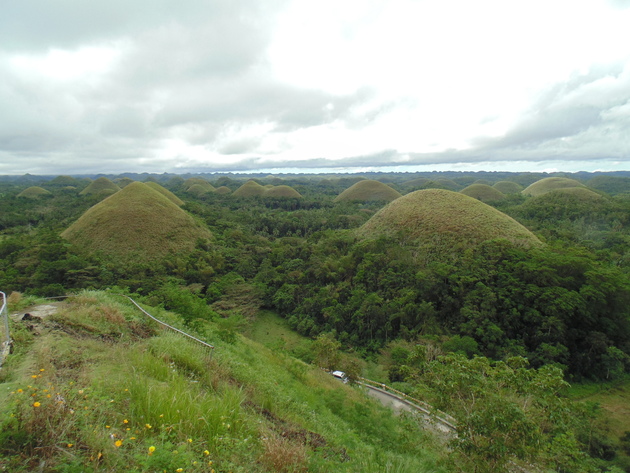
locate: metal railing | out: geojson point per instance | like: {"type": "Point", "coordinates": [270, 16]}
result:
{"type": "Point", "coordinates": [164, 325]}
{"type": "Point", "coordinates": [5, 334]}
{"type": "Point", "coordinates": [441, 417]}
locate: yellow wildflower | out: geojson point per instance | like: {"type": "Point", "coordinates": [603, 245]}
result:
{"type": "Point", "coordinates": [36, 404]}
{"type": "Point", "coordinates": [148, 426]}
{"type": "Point", "coordinates": [118, 443]}
{"type": "Point", "coordinates": [125, 421]}
{"type": "Point", "coordinates": [151, 450]}
{"type": "Point", "coordinates": [70, 445]}
{"type": "Point", "coordinates": [206, 452]}
{"type": "Point", "coordinates": [179, 470]}
{"type": "Point", "coordinates": [189, 440]}
{"type": "Point", "coordinates": [42, 370]}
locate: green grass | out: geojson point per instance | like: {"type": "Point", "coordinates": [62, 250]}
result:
{"type": "Point", "coordinates": [441, 218]}
{"type": "Point", "coordinates": [77, 398]}
{"type": "Point", "coordinates": [368, 191]}
{"type": "Point", "coordinates": [165, 192]}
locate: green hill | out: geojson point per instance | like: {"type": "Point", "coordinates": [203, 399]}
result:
{"type": "Point", "coordinates": [508, 187]}
{"type": "Point", "coordinates": [196, 181]}
{"type": "Point", "coordinates": [549, 184]}
{"type": "Point", "coordinates": [250, 189]}
{"type": "Point", "coordinates": [123, 182]}
{"type": "Point", "coordinates": [34, 192]}
{"type": "Point", "coordinates": [368, 191]}
{"type": "Point", "coordinates": [282, 192]}
{"type": "Point", "coordinates": [63, 181]}
{"type": "Point", "coordinates": [483, 192]}
{"type": "Point", "coordinates": [100, 187]}
{"type": "Point", "coordinates": [438, 217]}
{"type": "Point", "coordinates": [165, 192]}
{"type": "Point", "coordinates": [612, 185]}
{"type": "Point", "coordinates": [224, 190]}
{"type": "Point", "coordinates": [136, 224]}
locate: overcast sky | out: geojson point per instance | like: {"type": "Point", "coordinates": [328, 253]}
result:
{"type": "Point", "coordinates": [302, 85]}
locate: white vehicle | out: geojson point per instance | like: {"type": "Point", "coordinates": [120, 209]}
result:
{"type": "Point", "coordinates": [341, 375]}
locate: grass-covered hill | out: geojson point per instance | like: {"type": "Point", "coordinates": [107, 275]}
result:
{"type": "Point", "coordinates": [34, 192]}
{"type": "Point", "coordinates": [483, 192]}
{"type": "Point", "coordinates": [573, 203]}
{"type": "Point", "coordinates": [136, 223]}
{"type": "Point", "coordinates": [198, 184]}
{"type": "Point", "coordinates": [165, 192]}
{"type": "Point", "coordinates": [508, 187]}
{"type": "Point", "coordinates": [98, 387]}
{"type": "Point", "coordinates": [223, 190]}
{"type": "Point", "coordinates": [444, 218]}
{"type": "Point", "coordinates": [282, 192]}
{"type": "Point", "coordinates": [250, 189]}
{"type": "Point", "coordinates": [100, 187]}
{"type": "Point", "coordinates": [63, 181]}
{"type": "Point", "coordinates": [549, 184]}
{"type": "Point", "coordinates": [368, 191]}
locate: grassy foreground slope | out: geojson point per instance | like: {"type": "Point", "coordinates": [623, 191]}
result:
{"type": "Point", "coordinates": [440, 217]}
{"type": "Point", "coordinates": [98, 387]}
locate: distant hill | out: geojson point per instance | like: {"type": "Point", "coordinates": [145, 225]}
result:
{"type": "Point", "coordinates": [508, 187]}
{"type": "Point", "coordinates": [137, 223]}
{"type": "Point", "coordinates": [483, 192]}
{"type": "Point", "coordinates": [101, 187]}
{"type": "Point", "coordinates": [123, 182]}
{"type": "Point", "coordinates": [549, 184]}
{"type": "Point", "coordinates": [612, 185]}
{"type": "Point", "coordinates": [446, 219]}
{"type": "Point", "coordinates": [34, 192]}
{"type": "Point", "coordinates": [198, 186]}
{"type": "Point", "coordinates": [63, 181]}
{"type": "Point", "coordinates": [224, 190]}
{"type": "Point", "coordinates": [571, 203]}
{"type": "Point", "coordinates": [250, 189]}
{"type": "Point", "coordinates": [165, 192]}
{"type": "Point", "coordinates": [282, 192]}
{"type": "Point", "coordinates": [368, 191]}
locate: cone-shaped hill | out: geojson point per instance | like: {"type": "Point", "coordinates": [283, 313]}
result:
{"type": "Point", "coordinates": [224, 190]}
{"type": "Point", "coordinates": [250, 189]}
{"type": "Point", "coordinates": [368, 191]}
{"type": "Point", "coordinates": [508, 187]}
{"type": "Point", "coordinates": [34, 192]}
{"type": "Point", "coordinates": [282, 192]}
{"type": "Point", "coordinates": [570, 203]}
{"type": "Point", "coordinates": [549, 184]}
{"type": "Point", "coordinates": [445, 219]}
{"type": "Point", "coordinates": [137, 224]}
{"type": "Point", "coordinates": [165, 192]}
{"type": "Point", "coordinates": [63, 181]}
{"type": "Point", "coordinates": [483, 192]}
{"type": "Point", "coordinates": [100, 187]}
{"type": "Point", "coordinates": [198, 186]}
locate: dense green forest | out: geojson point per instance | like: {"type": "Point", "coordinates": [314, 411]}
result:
{"type": "Point", "coordinates": [562, 307]}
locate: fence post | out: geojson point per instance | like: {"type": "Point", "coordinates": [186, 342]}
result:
{"type": "Point", "coordinates": [5, 335]}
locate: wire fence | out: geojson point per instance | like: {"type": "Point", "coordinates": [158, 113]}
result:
{"type": "Point", "coordinates": [209, 348]}
{"type": "Point", "coordinates": [5, 334]}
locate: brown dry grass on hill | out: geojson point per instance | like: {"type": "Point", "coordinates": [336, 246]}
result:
{"type": "Point", "coordinates": [549, 184]}
{"type": "Point", "coordinates": [136, 224]}
{"type": "Point", "coordinates": [196, 181]}
{"type": "Point", "coordinates": [447, 218]}
{"type": "Point", "coordinates": [368, 191]}
{"type": "Point", "coordinates": [483, 192]}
